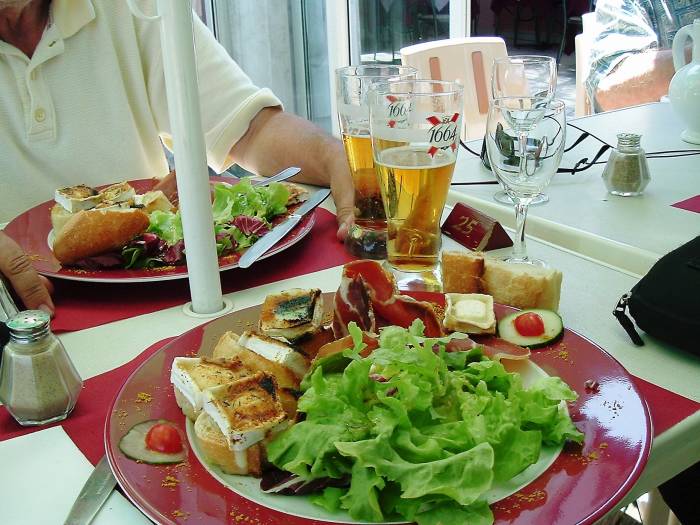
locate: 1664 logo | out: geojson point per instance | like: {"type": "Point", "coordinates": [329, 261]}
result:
{"type": "Point", "coordinates": [398, 111]}
{"type": "Point", "coordinates": [443, 132]}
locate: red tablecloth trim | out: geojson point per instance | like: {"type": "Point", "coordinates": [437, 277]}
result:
{"type": "Point", "coordinates": [81, 305]}
{"type": "Point", "coordinates": [85, 425]}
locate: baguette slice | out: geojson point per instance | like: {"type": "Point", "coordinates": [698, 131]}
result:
{"type": "Point", "coordinates": [522, 285]}
{"type": "Point", "coordinates": [461, 272]}
{"type": "Point", "coordinates": [98, 231]}
{"type": "Point", "coordinates": [213, 444]}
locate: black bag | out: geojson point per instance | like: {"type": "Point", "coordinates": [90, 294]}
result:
{"type": "Point", "coordinates": [665, 303]}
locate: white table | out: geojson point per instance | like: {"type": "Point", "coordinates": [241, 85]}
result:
{"type": "Point", "coordinates": [629, 233]}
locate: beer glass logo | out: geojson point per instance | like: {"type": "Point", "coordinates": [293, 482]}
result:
{"type": "Point", "coordinates": [397, 112]}
{"type": "Point", "coordinates": [443, 133]}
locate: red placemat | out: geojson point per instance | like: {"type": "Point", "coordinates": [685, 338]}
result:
{"type": "Point", "coordinates": [691, 204]}
{"type": "Point", "coordinates": [660, 400]}
{"type": "Point", "coordinates": [81, 305]}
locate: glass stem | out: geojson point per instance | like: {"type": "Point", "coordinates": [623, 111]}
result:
{"type": "Point", "coordinates": [519, 247]}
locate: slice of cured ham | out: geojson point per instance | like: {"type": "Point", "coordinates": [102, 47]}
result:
{"type": "Point", "coordinates": [352, 303]}
{"type": "Point", "coordinates": [496, 348]}
{"type": "Point", "coordinates": [389, 307]}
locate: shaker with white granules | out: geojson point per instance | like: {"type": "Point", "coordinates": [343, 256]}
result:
{"type": "Point", "coordinates": [38, 382]}
{"type": "Point", "coordinates": [627, 173]}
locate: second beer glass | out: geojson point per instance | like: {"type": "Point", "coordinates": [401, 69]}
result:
{"type": "Point", "coordinates": [415, 126]}
{"type": "Point", "coordinates": [367, 238]}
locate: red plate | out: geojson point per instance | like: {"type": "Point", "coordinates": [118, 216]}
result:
{"type": "Point", "coordinates": [581, 486]}
{"type": "Point", "coordinates": [31, 231]}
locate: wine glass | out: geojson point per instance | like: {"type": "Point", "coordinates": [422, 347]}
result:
{"type": "Point", "coordinates": [525, 139]}
{"type": "Point", "coordinates": [523, 76]}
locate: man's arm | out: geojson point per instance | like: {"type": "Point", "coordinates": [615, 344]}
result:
{"type": "Point", "coordinates": [636, 80]}
{"type": "Point", "coordinates": [276, 140]}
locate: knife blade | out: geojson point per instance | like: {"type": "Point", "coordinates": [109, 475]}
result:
{"type": "Point", "coordinates": [94, 493]}
{"type": "Point", "coordinates": [282, 175]}
{"type": "Point", "coordinates": [278, 232]}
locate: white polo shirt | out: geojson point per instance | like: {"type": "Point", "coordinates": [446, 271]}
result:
{"type": "Point", "coordinates": [90, 105]}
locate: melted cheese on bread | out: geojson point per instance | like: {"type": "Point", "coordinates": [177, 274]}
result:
{"type": "Point", "coordinates": [470, 313]}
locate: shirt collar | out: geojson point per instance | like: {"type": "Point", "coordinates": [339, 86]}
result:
{"type": "Point", "coordinates": [71, 15]}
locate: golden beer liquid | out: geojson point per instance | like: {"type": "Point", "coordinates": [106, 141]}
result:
{"type": "Point", "coordinates": [414, 186]}
{"type": "Point", "coordinates": [369, 210]}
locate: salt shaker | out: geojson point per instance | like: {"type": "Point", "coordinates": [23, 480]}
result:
{"type": "Point", "coordinates": [627, 172]}
{"type": "Point", "coordinates": [38, 382]}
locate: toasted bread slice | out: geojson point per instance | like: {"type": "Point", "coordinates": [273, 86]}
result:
{"type": "Point", "coordinates": [461, 272]}
{"type": "Point", "coordinates": [522, 285]}
{"type": "Point", "coordinates": [297, 194]}
{"type": "Point", "coordinates": [77, 198]}
{"type": "Point", "coordinates": [120, 192]}
{"type": "Point", "coordinates": [97, 231]}
{"type": "Point", "coordinates": [213, 444]}
{"type": "Point", "coordinates": [229, 348]}
{"type": "Point", "coordinates": [191, 376]}
{"type": "Point", "coordinates": [276, 351]}
{"type": "Point", "coordinates": [246, 410]}
{"type": "Point", "coordinates": [292, 314]}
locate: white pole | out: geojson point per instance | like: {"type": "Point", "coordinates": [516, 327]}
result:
{"type": "Point", "coordinates": [179, 65]}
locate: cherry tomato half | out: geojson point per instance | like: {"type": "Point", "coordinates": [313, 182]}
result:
{"type": "Point", "coordinates": [529, 324]}
{"type": "Point", "coordinates": [164, 438]}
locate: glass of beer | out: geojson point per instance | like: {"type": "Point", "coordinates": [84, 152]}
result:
{"type": "Point", "coordinates": [367, 238]}
{"type": "Point", "coordinates": [415, 127]}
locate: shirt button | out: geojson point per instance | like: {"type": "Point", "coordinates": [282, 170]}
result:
{"type": "Point", "coordinates": [40, 115]}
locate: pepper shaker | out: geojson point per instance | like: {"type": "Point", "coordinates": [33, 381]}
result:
{"type": "Point", "coordinates": [627, 173]}
{"type": "Point", "coordinates": [38, 382]}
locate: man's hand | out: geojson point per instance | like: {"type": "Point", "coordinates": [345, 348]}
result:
{"type": "Point", "coordinates": [276, 140]}
{"type": "Point", "coordinates": [33, 289]}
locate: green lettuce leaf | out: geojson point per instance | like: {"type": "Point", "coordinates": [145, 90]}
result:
{"type": "Point", "coordinates": [167, 225]}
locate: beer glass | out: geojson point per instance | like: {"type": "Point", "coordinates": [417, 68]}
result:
{"type": "Point", "coordinates": [367, 238]}
{"type": "Point", "coordinates": [523, 76]}
{"type": "Point", "coordinates": [415, 127]}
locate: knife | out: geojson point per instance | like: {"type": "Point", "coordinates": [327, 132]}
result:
{"type": "Point", "coordinates": [95, 492]}
{"type": "Point", "coordinates": [282, 175]}
{"type": "Point", "coordinates": [278, 232]}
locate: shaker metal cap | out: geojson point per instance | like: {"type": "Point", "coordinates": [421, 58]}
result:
{"type": "Point", "coordinates": [28, 324]}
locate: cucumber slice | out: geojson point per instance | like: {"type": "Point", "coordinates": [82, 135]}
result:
{"type": "Point", "coordinates": [133, 445]}
{"type": "Point", "coordinates": [553, 329]}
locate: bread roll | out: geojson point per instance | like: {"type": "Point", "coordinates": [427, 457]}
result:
{"type": "Point", "coordinates": [59, 217]}
{"type": "Point", "coordinates": [97, 231]}
{"type": "Point", "coordinates": [461, 272]}
{"type": "Point", "coordinates": [214, 446]}
{"type": "Point", "coordinates": [522, 285]}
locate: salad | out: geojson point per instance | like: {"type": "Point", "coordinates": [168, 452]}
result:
{"type": "Point", "coordinates": [242, 214]}
{"type": "Point", "coordinates": [419, 433]}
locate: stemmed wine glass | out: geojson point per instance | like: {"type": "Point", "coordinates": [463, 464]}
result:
{"type": "Point", "coordinates": [525, 139]}
{"type": "Point", "coordinates": [523, 76]}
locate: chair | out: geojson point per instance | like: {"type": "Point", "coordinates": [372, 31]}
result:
{"type": "Point", "coordinates": [582, 46]}
{"type": "Point", "coordinates": [467, 60]}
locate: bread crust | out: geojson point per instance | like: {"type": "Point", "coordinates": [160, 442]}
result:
{"type": "Point", "coordinates": [97, 231]}
{"type": "Point", "coordinates": [214, 446]}
{"type": "Point", "coordinates": [461, 272]}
